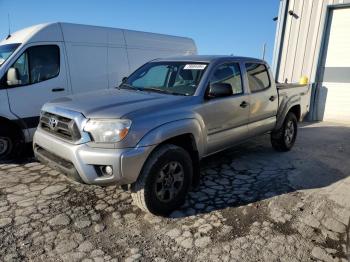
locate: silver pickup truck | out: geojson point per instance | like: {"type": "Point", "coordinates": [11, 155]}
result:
{"type": "Point", "coordinates": [151, 132]}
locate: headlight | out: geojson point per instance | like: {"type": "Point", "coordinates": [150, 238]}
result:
{"type": "Point", "coordinates": [108, 130]}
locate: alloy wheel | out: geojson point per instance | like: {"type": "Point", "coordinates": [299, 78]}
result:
{"type": "Point", "coordinates": [169, 181]}
{"type": "Point", "coordinates": [289, 132]}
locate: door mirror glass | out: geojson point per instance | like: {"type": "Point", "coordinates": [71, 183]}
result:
{"type": "Point", "coordinates": [219, 90]}
{"type": "Point", "coordinates": [124, 79]}
{"type": "Point", "coordinates": [12, 77]}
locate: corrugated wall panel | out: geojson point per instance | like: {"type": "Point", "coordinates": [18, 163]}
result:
{"type": "Point", "coordinates": [293, 41]}
{"type": "Point", "coordinates": [303, 39]}
{"type": "Point", "coordinates": [279, 35]}
{"type": "Point", "coordinates": [312, 38]}
{"type": "Point", "coordinates": [287, 34]}
{"type": "Point", "coordinates": [321, 29]}
{"type": "Point", "coordinates": [302, 42]}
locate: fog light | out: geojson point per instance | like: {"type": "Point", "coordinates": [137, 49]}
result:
{"type": "Point", "coordinates": [108, 170]}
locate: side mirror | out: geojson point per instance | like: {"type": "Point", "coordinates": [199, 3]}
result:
{"type": "Point", "coordinates": [219, 90]}
{"type": "Point", "coordinates": [12, 77]}
{"type": "Point", "coordinates": [124, 79]}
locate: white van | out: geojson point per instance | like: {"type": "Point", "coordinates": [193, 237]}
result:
{"type": "Point", "coordinates": [49, 61]}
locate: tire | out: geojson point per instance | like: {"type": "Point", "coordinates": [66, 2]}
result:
{"type": "Point", "coordinates": [7, 144]}
{"type": "Point", "coordinates": [283, 139]}
{"type": "Point", "coordinates": [168, 169]}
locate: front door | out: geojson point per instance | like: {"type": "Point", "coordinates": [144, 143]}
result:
{"type": "Point", "coordinates": [41, 75]}
{"type": "Point", "coordinates": [226, 118]}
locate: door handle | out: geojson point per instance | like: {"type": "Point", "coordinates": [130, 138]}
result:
{"type": "Point", "coordinates": [244, 104]}
{"type": "Point", "coordinates": [272, 98]}
{"type": "Point", "coordinates": [57, 89]}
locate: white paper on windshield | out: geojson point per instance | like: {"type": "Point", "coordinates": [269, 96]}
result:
{"type": "Point", "coordinates": [195, 67]}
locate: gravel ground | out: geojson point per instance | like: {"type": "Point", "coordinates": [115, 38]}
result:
{"type": "Point", "coordinates": [253, 204]}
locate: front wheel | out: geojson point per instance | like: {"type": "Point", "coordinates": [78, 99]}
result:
{"type": "Point", "coordinates": [283, 139]}
{"type": "Point", "coordinates": [7, 143]}
{"type": "Point", "coordinates": [11, 144]}
{"type": "Point", "coordinates": [164, 181]}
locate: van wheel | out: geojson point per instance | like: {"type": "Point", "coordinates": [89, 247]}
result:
{"type": "Point", "coordinates": [7, 143]}
{"type": "Point", "coordinates": [283, 139]}
{"type": "Point", "coordinates": [164, 181]}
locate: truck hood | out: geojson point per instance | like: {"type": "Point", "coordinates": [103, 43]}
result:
{"type": "Point", "coordinates": [115, 103]}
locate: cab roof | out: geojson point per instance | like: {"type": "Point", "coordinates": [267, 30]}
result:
{"type": "Point", "coordinates": [209, 59]}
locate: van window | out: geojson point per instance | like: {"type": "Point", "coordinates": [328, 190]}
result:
{"type": "Point", "coordinates": [258, 77]}
{"type": "Point", "coordinates": [21, 66]}
{"type": "Point", "coordinates": [37, 64]}
{"type": "Point", "coordinates": [229, 74]}
{"type": "Point", "coordinates": [6, 51]}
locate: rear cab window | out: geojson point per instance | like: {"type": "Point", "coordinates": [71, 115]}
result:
{"type": "Point", "coordinates": [258, 77]}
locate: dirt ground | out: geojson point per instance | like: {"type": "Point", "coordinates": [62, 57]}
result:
{"type": "Point", "coordinates": [253, 204]}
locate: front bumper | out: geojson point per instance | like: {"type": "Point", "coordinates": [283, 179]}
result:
{"type": "Point", "coordinates": [82, 162]}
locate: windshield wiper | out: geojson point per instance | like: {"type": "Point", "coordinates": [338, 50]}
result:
{"type": "Point", "coordinates": [149, 89]}
{"type": "Point", "coordinates": [158, 90]}
{"type": "Point", "coordinates": [127, 86]}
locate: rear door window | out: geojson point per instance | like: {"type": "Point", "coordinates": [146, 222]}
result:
{"type": "Point", "coordinates": [258, 77]}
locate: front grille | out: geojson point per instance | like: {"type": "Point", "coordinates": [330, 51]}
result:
{"type": "Point", "coordinates": [60, 126]}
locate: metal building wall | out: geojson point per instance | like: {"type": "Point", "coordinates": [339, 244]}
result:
{"type": "Point", "coordinates": [299, 38]}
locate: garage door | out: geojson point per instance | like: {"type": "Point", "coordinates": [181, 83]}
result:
{"type": "Point", "coordinates": [336, 67]}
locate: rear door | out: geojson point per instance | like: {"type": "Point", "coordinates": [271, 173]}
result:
{"type": "Point", "coordinates": [263, 99]}
{"type": "Point", "coordinates": [226, 118]}
{"type": "Point", "coordinates": [42, 77]}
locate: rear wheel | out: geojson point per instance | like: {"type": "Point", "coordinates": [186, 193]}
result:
{"type": "Point", "coordinates": [283, 139]}
{"type": "Point", "coordinates": [164, 181]}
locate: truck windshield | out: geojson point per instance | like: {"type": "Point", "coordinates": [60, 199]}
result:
{"type": "Point", "coordinates": [6, 51]}
{"type": "Point", "coordinates": [177, 78]}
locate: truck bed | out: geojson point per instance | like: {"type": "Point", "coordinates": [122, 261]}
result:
{"type": "Point", "coordinates": [294, 93]}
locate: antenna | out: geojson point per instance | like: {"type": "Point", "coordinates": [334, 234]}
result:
{"type": "Point", "coordinates": [9, 23]}
{"type": "Point", "coordinates": [264, 51]}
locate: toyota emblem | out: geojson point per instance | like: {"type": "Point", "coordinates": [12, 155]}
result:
{"type": "Point", "coordinates": [53, 123]}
